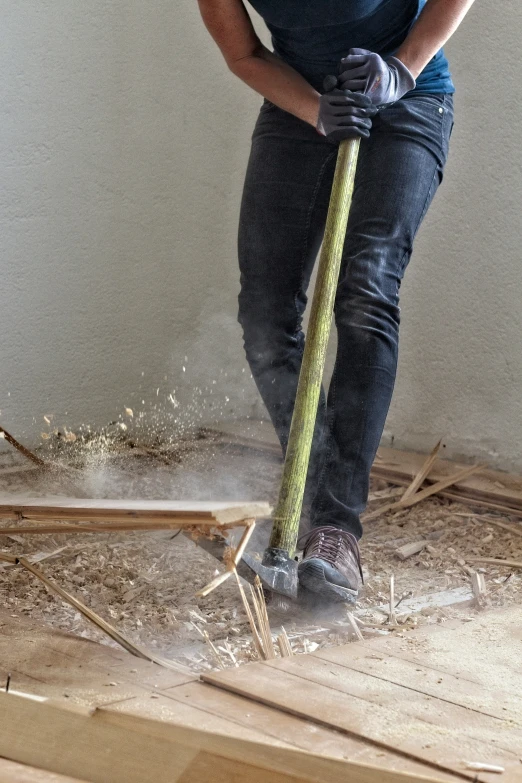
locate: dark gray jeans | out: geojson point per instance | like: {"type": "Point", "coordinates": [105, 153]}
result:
{"type": "Point", "coordinates": [283, 213]}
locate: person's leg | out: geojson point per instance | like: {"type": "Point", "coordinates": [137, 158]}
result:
{"type": "Point", "coordinates": [400, 168]}
{"type": "Point", "coordinates": [283, 212]}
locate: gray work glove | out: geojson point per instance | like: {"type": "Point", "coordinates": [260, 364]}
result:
{"type": "Point", "coordinates": [383, 81]}
{"type": "Point", "coordinates": [344, 114]}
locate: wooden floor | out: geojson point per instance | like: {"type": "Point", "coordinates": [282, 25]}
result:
{"type": "Point", "coordinates": [424, 704]}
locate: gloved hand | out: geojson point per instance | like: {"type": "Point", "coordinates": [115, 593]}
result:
{"type": "Point", "coordinates": [383, 81]}
{"type": "Point", "coordinates": [344, 114]}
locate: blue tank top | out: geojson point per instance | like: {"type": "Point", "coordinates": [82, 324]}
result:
{"type": "Point", "coordinates": [313, 35]}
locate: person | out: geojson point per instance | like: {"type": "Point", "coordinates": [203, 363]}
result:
{"type": "Point", "coordinates": [393, 89]}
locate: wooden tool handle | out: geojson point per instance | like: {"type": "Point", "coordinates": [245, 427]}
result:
{"type": "Point", "coordinates": [288, 510]}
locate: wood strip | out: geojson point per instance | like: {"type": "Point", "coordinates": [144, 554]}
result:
{"type": "Point", "coordinates": [495, 734]}
{"type": "Point", "coordinates": [127, 749]}
{"type": "Point", "coordinates": [419, 479]}
{"type": "Point", "coordinates": [102, 624]}
{"type": "Point", "coordinates": [428, 681]}
{"type": "Point", "coordinates": [15, 469]}
{"type": "Point", "coordinates": [439, 486]}
{"type": "Point", "coordinates": [41, 528]}
{"type": "Point", "coordinates": [72, 509]}
{"type": "Point", "coordinates": [276, 684]}
{"type": "Point", "coordinates": [495, 561]}
{"type": "Point", "coordinates": [22, 449]}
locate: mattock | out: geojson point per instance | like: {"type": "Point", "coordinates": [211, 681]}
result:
{"type": "Point", "coordinates": [278, 568]}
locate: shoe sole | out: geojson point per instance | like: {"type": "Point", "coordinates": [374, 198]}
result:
{"type": "Point", "coordinates": [312, 577]}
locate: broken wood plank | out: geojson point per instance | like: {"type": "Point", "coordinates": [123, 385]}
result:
{"type": "Point", "coordinates": [408, 550]}
{"type": "Point", "coordinates": [495, 561]}
{"type": "Point", "coordinates": [22, 449]}
{"type": "Point", "coordinates": [41, 528]}
{"type": "Point", "coordinates": [120, 748]}
{"type": "Point", "coordinates": [488, 488]}
{"type": "Point", "coordinates": [424, 493]}
{"type": "Point", "coordinates": [425, 470]}
{"type": "Point", "coordinates": [478, 585]}
{"type": "Point", "coordinates": [186, 512]}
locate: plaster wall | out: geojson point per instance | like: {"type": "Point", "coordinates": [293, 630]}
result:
{"type": "Point", "coordinates": [123, 142]}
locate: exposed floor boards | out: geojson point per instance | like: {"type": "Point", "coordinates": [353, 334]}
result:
{"type": "Point", "coordinates": [69, 669]}
{"type": "Point", "coordinates": [443, 696]}
{"type": "Point", "coordinates": [449, 696]}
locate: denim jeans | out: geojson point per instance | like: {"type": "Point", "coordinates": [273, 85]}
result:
{"type": "Point", "coordinates": [283, 214]}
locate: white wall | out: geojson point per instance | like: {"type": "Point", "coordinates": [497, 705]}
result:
{"type": "Point", "coordinates": [123, 142]}
{"type": "Point", "coordinates": [461, 353]}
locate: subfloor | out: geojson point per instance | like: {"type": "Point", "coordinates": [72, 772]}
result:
{"type": "Point", "coordinates": [439, 704]}
{"type": "Point", "coordinates": [145, 583]}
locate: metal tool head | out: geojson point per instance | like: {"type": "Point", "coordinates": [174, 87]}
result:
{"type": "Point", "coordinates": [277, 571]}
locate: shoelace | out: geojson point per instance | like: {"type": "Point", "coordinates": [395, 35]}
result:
{"type": "Point", "coordinates": [327, 543]}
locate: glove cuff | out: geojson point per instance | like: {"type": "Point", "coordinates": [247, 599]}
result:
{"type": "Point", "coordinates": [404, 75]}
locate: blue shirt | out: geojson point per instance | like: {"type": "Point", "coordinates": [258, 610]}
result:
{"type": "Point", "coordinates": [313, 35]}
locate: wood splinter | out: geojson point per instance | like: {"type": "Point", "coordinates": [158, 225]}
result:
{"type": "Point", "coordinates": [234, 560]}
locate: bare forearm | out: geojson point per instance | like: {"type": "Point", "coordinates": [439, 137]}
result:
{"type": "Point", "coordinates": [436, 24]}
{"type": "Point", "coordinates": [279, 83]}
{"type": "Point", "coordinates": [229, 25]}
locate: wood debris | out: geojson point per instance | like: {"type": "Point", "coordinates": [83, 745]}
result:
{"type": "Point", "coordinates": [478, 585]}
{"type": "Point", "coordinates": [407, 550]}
{"type": "Point", "coordinates": [496, 561]}
{"type": "Point", "coordinates": [283, 642]}
{"type": "Point", "coordinates": [479, 766]}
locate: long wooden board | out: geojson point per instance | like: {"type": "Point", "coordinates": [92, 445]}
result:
{"type": "Point", "coordinates": [489, 487]}
{"type": "Point", "coordinates": [283, 728]}
{"type": "Point", "coordinates": [182, 512]}
{"type": "Point", "coordinates": [107, 746]}
{"type": "Point", "coordinates": [11, 772]}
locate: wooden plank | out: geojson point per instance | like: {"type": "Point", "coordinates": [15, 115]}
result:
{"type": "Point", "coordinates": [187, 512]}
{"type": "Point", "coordinates": [160, 707]}
{"type": "Point", "coordinates": [120, 748]}
{"type": "Point", "coordinates": [387, 727]}
{"type": "Point", "coordinates": [291, 730]}
{"type": "Point", "coordinates": [487, 485]}
{"type": "Point", "coordinates": [500, 704]}
{"type": "Point", "coordinates": [11, 772]}
{"type": "Point", "coordinates": [431, 708]}
{"type": "Point", "coordinates": [484, 651]}
{"type": "Point", "coordinates": [424, 471]}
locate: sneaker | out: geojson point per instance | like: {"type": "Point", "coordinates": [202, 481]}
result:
{"type": "Point", "coordinates": [331, 564]}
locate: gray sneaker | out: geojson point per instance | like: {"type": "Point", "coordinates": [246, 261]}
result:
{"type": "Point", "coordinates": [331, 564]}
